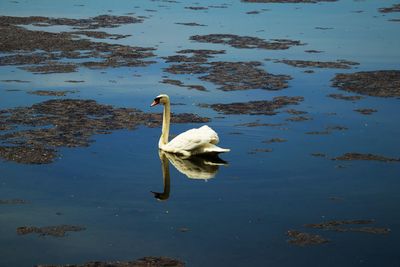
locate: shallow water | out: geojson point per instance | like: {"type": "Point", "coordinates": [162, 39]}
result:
{"type": "Point", "coordinates": [241, 216]}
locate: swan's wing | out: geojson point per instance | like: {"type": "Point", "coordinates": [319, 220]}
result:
{"type": "Point", "coordinates": [193, 139]}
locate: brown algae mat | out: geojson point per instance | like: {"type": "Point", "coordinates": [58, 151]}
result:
{"type": "Point", "coordinates": [361, 156]}
{"type": "Point", "coordinates": [384, 83]}
{"type": "Point", "coordinates": [57, 231]}
{"type": "Point", "coordinates": [305, 239]}
{"type": "Point", "coordinates": [68, 123]}
{"type": "Point", "coordinates": [346, 97]}
{"type": "Point", "coordinates": [393, 8]}
{"type": "Point", "coordinates": [181, 84]}
{"type": "Point", "coordinates": [339, 64]}
{"type": "Point", "coordinates": [41, 52]}
{"type": "Point", "coordinates": [229, 76]}
{"type": "Point", "coordinates": [248, 42]}
{"type": "Point", "coordinates": [52, 92]}
{"type": "Point", "coordinates": [262, 107]}
{"type": "Point", "coordinates": [15, 201]}
{"type": "Point", "coordinates": [366, 111]}
{"type": "Point", "coordinates": [142, 262]}
{"type": "Point", "coordinates": [342, 226]}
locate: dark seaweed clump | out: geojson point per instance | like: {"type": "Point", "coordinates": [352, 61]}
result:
{"type": "Point", "coordinates": [233, 75]}
{"type": "Point", "coordinates": [346, 97]}
{"type": "Point", "coordinates": [328, 130]}
{"type": "Point", "coordinates": [366, 111]}
{"type": "Point", "coordinates": [263, 107]}
{"type": "Point", "coordinates": [190, 24]}
{"type": "Point", "coordinates": [67, 123]}
{"type": "Point", "coordinates": [181, 84]}
{"type": "Point", "coordinates": [304, 239]}
{"type": "Point", "coordinates": [51, 92]}
{"type": "Point", "coordinates": [385, 83]}
{"type": "Point", "coordinates": [143, 262]}
{"type": "Point", "coordinates": [101, 21]}
{"type": "Point", "coordinates": [198, 55]}
{"type": "Point", "coordinates": [338, 226]}
{"type": "Point", "coordinates": [394, 8]}
{"type": "Point", "coordinates": [246, 41]}
{"type": "Point", "coordinates": [275, 140]}
{"type": "Point", "coordinates": [41, 52]}
{"type": "Point", "coordinates": [57, 231]}
{"type": "Point", "coordinates": [229, 75]}
{"type": "Point", "coordinates": [14, 201]}
{"type": "Point", "coordinates": [360, 156]}
{"type": "Point", "coordinates": [339, 64]}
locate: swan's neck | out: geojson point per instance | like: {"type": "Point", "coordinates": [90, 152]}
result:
{"type": "Point", "coordinates": [165, 125]}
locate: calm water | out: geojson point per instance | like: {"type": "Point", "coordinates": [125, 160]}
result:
{"type": "Point", "coordinates": [239, 217]}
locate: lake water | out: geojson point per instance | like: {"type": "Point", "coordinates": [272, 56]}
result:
{"type": "Point", "coordinates": [239, 217]}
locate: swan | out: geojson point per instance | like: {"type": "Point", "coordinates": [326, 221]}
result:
{"type": "Point", "coordinates": [198, 141]}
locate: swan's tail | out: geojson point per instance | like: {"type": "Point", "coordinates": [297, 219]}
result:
{"type": "Point", "coordinates": [214, 149]}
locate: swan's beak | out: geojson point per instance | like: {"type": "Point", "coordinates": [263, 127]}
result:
{"type": "Point", "coordinates": [154, 103]}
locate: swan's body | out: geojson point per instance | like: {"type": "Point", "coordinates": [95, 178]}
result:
{"type": "Point", "coordinates": [202, 140]}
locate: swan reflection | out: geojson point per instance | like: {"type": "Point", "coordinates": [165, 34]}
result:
{"type": "Point", "coordinates": [194, 167]}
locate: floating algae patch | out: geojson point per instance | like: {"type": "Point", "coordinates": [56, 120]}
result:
{"type": "Point", "coordinates": [366, 111]}
{"type": "Point", "coordinates": [42, 52]}
{"type": "Point", "coordinates": [198, 55]}
{"type": "Point", "coordinates": [263, 107]}
{"type": "Point", "coordinates": [51, 67]}
{"type": "Point", "coordinates": [15, 201]}
{"type": "Point", "coordinates": [360, 156]}
{"type": "Point", "coordinates": [384, 83]}
{"type": "Point", "coordinates": [14, 81]}
{"type": "Point", "coordinates": [51, 92]}
{"type": "Point", "coordinates": [318, 154]}
{"type": "Point", "coordinates": [299, 118]}
{"type": "Point", "coordinates": [68, 123]}
{"type": "Point", "coordinates": [28, 154]}
{"type": "Point", "coordinates": [101, 21]}
{"type": "Point", "coordinates": [190, 24]}
{"type": "Point", "coordinates": [393, 8]}
{"type": "Point", "coordinates": [57, 231]}
{"type": "Point", "coordinates": [328, 130]}
{"type": "Point", "coordinates": [341, 226]}
{"type": "Point", "coordinates": [258, 150]}
{"type": "Point", "coordinates": [101, 35]}
{"type": "Point", "coordinates": [339, 64]}
{"type": "Point", "coordinates": [246, 41]}
{"type": "Point", "coordinates": [181, 84]}
{"type": "Point", "coordinates": [142, 262]}
{"type": "Point", "coordinates": [229, 76]}
{"type": "Point", "coordinates": [275, 140]}
{"type": "Point", "coordinates": [346, 97]}
{"type": "Point", "coordinates": [243, 76]}
{"type": "Point", "coordinates": [295, 112]}
{"type": "Point", "coordinates": [196, 7]}
{"type": "Point", "coordinates": [305, 239]}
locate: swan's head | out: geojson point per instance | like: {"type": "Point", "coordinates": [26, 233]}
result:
{"type": "Point", "coordinates": [163, 99]}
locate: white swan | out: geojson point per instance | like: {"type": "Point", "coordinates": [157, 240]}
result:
{"type": "Point", "coordinates": [192, 142]}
